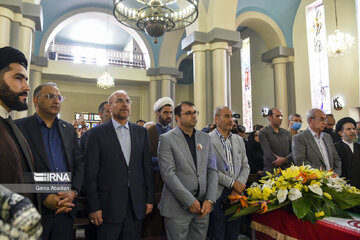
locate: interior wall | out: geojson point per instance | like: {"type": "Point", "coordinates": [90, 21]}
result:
{"type": "Point", "coordinates": [262, 79]}
{"type": "Point", "coordinates": [343, 70]}
{"type": "Point", "coordinates": [86, 97]}
{"type": "Point", "coordinates": [184, 92]}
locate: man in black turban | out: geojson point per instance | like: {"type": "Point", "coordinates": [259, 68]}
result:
{"type": "Point", "coordinates": [15, 155]}
{"type": "Point", "coordinates": [348, 150]}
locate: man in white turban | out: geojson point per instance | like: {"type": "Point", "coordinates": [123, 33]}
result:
{"type": "Point", "coordinates": [163, 108]}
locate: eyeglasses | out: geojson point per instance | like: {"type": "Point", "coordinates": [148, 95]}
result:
{"type": "Point", "coordinates": [127, 101]}
{"type": "Point", "coordinates": [319, 119]}
{"type": "Point", "coordinates": [52, 97]}
{"type": "Point", "coordinates": [188, 114]}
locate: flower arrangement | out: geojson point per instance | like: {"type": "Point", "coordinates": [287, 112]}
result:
{"type": "Point", "coordinates": [313, 194]}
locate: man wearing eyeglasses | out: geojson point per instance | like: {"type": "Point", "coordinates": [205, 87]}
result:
{"type": "Point", "coordinates": [275, 142]}
{"type": "Point", "coordinates": [188, 169]}
{"type": "Point", "coordinates": [53, 143]}
{"type": "Point", "coordinates": [313, 146]}
{"type": "Point", "coordinates": [118, 173]}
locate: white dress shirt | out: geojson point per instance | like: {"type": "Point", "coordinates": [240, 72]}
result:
{"type": "Point", "coordinates": [322, 147]}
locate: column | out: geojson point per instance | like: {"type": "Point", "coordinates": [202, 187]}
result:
{"type": "Point", "coordinates": [34, 80]}
{"type": "Point", "coordinates": [220, 73]}
{"type": "Point", "coordinates": [199, 83]}
{"type": "Point", "coordinates": [5, 26]}
{"type": "Point", "coordinates": [166, 86]}
{"type": "Point", "coordinates": [281, 98]}
{"type": "Point", "coordinates": [153, 98]}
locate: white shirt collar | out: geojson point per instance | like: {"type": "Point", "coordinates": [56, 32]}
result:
{"type": "Point", "coordinates": [314, 134]}
{"type": "Point", "coordinates": [351, 145]}
{"type": "Point", "coordinates": [3, 112]}
{"type": "Point", "coordinates": [117, 124]}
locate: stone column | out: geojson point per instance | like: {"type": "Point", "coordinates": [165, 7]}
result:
{"type": "Point", "coordinates": [166, 88]}
{"type": "Point", "coordinates": [281, 97]}
{"type": "Point", "coordinates": [153, 98]}
{"type": "Point", "coordinates": [35, 80]}
{"type": "Point", "coordinates": [220, 73]}
{"type": "Point", "coordinates": [199, 83]}
{"type": "Point", "coordinates": [5, 26]}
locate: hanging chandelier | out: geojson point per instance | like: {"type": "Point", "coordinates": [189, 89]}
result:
{"type": "Point", "coordinates": [156, 17]}
{"type": "Point", "coordinates": [105, 81]}
{"type": "Point", "coordinates": [339, 43]}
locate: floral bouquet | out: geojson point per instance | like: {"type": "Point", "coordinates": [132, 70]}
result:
{"type": "Point", "coordinates": [313, 194]}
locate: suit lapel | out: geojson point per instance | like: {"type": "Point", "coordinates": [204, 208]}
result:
{"type": "Point", "coordinates": [218, 146]}
{"type": "Point", "coordinates": [180, 139]}
{"type": "Point", "coordinates": [327, 144]}
{"type": "Point", "coordinates": [114, 141]}
{"type": "Point", "coordinates": [234, 148]}
{"type": "Point", "coordinates": [315, 146]}
{"type": "Point", "coordinates": [36, 136]}
{"type": "Point", "coordinates": [62, 132]}
{"type": "Point", "coordinates": [133, 142]}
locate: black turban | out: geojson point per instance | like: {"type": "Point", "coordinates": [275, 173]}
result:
{"type": "Point", "coordinates": [342, 121]}
{"type": "Point", "coordinates": [11, 55]}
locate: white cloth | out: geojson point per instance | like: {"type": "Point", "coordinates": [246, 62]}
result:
{"type": "Point", "coordinates": [3, 112]}
{"type": "Point", "coordinates": [162, 102]}
{"type": "Point", "coordinates": [351, 145]}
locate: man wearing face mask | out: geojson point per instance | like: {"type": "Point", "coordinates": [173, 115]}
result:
{"type": "Point", "coordinates": [295, 122]}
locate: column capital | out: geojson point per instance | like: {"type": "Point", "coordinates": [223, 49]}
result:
{"type": "Point", "coordinates": [279, 60]}
{"type": "Point", "coordinates": [172, 72]}
{"type": "Point", "coordinates": [278, 52]}
{"type": "Point", "coordinates": [39, 61]}
{"type": "Point", "coordinates": [28, 11]}
{"type": "Point", "coordinates": [215, 35]}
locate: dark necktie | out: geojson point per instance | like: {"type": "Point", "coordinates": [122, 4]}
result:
{"type": "Point", "coordinates": [21, 140]}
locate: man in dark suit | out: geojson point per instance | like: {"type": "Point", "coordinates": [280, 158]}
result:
{"type": "Point", "coordinates": [53, 144]}
{"type": "Point", "coordinates": [348, 150]}
{"type": "Point", "coordinates": [314, 147]}
{"type": "Point", "coordinates": [118, 173]}
{"type": "Point", "coordinates": [163, 108]}
{"type": "Point", "coordinates": [15, 154]}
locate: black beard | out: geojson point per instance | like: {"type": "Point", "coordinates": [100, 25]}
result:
{"type": "Point", "coordinates": [163, 122]}
{"type": "Point", "coordinates": [11, 98]}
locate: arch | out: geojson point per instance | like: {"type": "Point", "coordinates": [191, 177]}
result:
{"type": "Point", "coordinates": [267, 28]}
{"type": "Point", "coordinates": [71, 16]}
{"type": "Point", "coordinates": [182, 57]}
{"type": "Point", "coordinates": [168, 51]}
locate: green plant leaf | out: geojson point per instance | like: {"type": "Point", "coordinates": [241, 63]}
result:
{"type": "Point", "coordinates": [232, 209]}
{"type": "Point", "coordinates": [310, 216]}
{"type": "Point", "coordinates": [301, 206]}
{"type": "Point", "coordinates": [244, 211]}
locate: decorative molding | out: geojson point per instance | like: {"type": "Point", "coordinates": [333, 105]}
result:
{"type": "Point", "coordinates": [278, 52]}
{"type": "Point", "coordinates": [174, 72]}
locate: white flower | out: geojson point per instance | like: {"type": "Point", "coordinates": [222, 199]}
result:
{"type": "Point", "coordinates": [294, 194]}
{"type": "Point", "coordinates": [315, 188]}
{"type": "Point", "coordinates": [281, 195]}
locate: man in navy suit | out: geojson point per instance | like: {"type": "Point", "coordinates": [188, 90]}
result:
{"type": "Point", "coordinates": [118, 173]}
{"type": "Point", "coordinates": [53, 144]}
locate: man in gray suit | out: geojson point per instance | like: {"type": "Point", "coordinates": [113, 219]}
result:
{"type": "Point", "coordinates": [233, 171]}
{"type": "Point", "coordinates": [188, 169]}
{"type": "Point", "coordinates": [314, 147]}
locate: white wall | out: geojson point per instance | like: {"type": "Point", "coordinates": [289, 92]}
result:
{"type": "Point", "coordinates": [343, 70]}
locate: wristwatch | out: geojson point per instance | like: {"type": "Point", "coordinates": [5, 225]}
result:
{"type": "Point", "coordinates": [212, 202]}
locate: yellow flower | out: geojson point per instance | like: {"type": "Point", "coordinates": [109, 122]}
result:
{"type": "Point", "coordinates": [290, 172]}
{"type": "Point", "coordinates": [327, 195]}
{"type": "Point", "coordinates": [306, 188]}
{"type": "Point", "coordinates": [266, 193]}
{"type": "Point", "coordinates": [298, 186]}
{"type": "Point", "coordinates": [319, 214]}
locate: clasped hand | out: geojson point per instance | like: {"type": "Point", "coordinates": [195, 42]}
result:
{"type": "Point", "coordinates": [62, 202]}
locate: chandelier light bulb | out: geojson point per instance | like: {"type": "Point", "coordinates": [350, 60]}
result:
{"type": "Point", "coordinates": [105, 81]}
{"type": "Point", "coordinates": [339, 43]}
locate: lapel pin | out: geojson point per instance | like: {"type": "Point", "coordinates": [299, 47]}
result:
{"type": "Point", "coordinates": [64, 125]}
{"type": "Point", "coordinates": [199, 147]}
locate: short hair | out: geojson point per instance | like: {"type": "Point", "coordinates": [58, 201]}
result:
{"type": "Point", "coordinates": [3, 71]}
{"type": "Point", "coordinates": [257, 127]}
{"type": "Point", "coordinates": [140, 120]}
{"type": "Point", "coordinates": [330, 115]}
{"type": "Point", "coordinates": [117, 92]}
{"type": "Point", "coordinates": [311, 113]}
{"type": "Point", "coordinates": [102, 106]}
{"type": "Point", "coordinates": [218, 110]}
{"type": "Point", "coordinates": [178, 107]}
{"type": "Point", "coordinates": [38, 88]}
{"type": "Point", "coordinates": [271, 110]}
{"type": "Point", "coordinates": [293, 115]}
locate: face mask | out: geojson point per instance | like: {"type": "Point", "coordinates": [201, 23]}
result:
{"type": "Point", "coordinates": [296, 126]}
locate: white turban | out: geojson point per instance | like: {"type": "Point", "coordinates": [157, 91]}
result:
{"type": "Point", "coordinates": [162, 102]}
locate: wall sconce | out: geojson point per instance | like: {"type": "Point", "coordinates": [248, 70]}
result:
{"type": "Point", "coordinates": [338, 103]}
{"type": "Point", "coordinates": [264, 111]}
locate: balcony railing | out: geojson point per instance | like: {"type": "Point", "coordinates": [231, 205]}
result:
{"type": "Point", "coordinates": [99, 56]}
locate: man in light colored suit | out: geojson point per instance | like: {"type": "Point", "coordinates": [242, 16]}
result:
{"type": "Point", "coordinates": [314, 147]}
{"type": "Point", "coordinates": [188, 169]}
{"type": "Point", "coordinates": [233, 171]}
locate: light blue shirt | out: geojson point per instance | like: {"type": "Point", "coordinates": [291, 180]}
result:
{"type": "Point", "coordinates": [123, 135]}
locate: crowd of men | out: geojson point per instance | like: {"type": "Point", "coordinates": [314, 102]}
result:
{"type": "Point", "coordinates": [157, 180]}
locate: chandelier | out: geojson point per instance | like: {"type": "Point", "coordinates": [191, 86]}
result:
{"type": "Point", "coordinates": [339, 43]}
{"type": "Point", "coordinates": [156, 17]}
{"type": "Point", "coordinates": [105, 81]}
